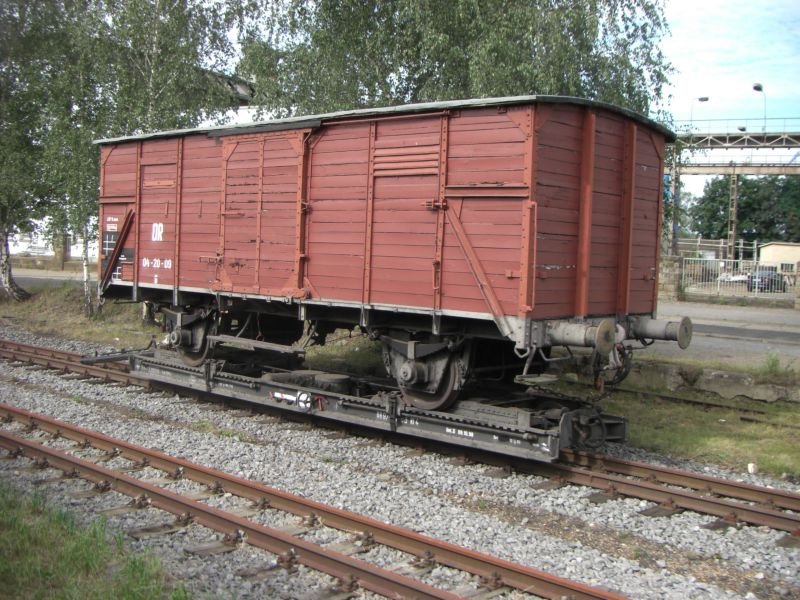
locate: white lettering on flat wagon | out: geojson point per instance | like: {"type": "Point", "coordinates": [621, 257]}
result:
{"type": "Point", "coordinates": [157, 232]}
{"type": "Point", "coordinates": [288, 398]}
{"type": "Point", "coordinates": [459, 432]}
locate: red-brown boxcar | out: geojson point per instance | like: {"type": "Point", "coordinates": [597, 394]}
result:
{"type": "Point", "coordinates": [468, 236]}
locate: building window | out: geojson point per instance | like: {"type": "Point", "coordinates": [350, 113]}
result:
{"type": "Point", "coordinates": [787, 267]}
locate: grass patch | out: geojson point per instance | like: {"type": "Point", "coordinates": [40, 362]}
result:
{"type": "Point", "coordinates": [44, 554]}
{"type": "Point", "coordinates": [774, 371]}
{"type": "Point", "coordinates": [206, 426]}
{"type": "Point", "coordinates": [717, 435]}
{"type": "Point", "coordinates": [203, 426]}
{"type": "Point", "coordinates": [58, 311]}
{"type": "Point", "coordinates": [342, 352]}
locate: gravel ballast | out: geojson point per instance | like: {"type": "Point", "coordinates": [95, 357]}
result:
{"type": "Point", "coordinates": [559, 531]}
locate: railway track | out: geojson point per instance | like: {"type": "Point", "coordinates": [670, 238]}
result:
{"type": "Point", "coordinates": [674, 490]}
{"type": "Point", "coordinates": [62, 360]}
{"type": "Point", "coordinates": [671, 489]}
{"type": "Point", "coordinates": [495, 575]}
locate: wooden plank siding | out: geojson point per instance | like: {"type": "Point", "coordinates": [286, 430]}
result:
{"type": "Point", "coordinates": [200, 216]}
{"type": "Point", "coordinates": [477, 210]}
{"type": "Point", "coordinates": [157, 212]}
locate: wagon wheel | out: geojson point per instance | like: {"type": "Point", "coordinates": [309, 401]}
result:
{"type": "Point", "coordinates": [445, 395]}
{"type": "Point", "coordinates": [195, 358]}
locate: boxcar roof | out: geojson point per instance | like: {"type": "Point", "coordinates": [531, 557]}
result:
{"type": "Point", "coordinates": [317, 120]}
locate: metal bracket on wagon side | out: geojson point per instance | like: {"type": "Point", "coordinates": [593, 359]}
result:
{"type": "Point", "coordinates": [484, 285]}
{"type": "Point", "coordinates": [117, 252]}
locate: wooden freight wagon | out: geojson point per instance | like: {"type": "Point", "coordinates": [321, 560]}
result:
{"type": "Point", "coordinates": [468, 236]}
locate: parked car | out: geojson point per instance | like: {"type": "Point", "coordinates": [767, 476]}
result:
{"type": "Point", "coordinates": [766, 281]}
{"type": "Point", "coordinates": [731, 278]}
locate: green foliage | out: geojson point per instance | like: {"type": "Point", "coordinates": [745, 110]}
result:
{"type": "Point", "coordinates": [338, 54]}
{"type": "Point", "coordinates": [78, 71]}
{"type": "Point", "coordinates": [164, 54]}
{"type": "Point", "coordinates": [768, 209]}
{"type": "Point", "coordinates": [21, 188]}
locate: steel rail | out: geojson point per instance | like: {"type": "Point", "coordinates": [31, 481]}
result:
{"type": "Point", "coordinates": [67, 361]}
{"type": "Point", "coordinates": [771, 497]}
{"type": "Point", "coordinates": [501, 571]}
{"type": "Point", "coordinates": [26, 349]}
{"type": "Point", "coordinates": [676, 498]}
{"type": "Point", "coordinates": [342, 566]}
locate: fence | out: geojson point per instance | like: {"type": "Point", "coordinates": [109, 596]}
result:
{"type": "Point", "coordinates": [739, 278]}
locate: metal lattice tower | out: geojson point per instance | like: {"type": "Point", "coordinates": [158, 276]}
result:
{"type": "Point", "coordinates": [739, 140]}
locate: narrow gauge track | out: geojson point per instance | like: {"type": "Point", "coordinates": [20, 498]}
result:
{"type": "Point", "coordinates": [672, 489]}
{"type": "Point", "coordinates": [62, 360]}
{"type": "Point", "coordinates": [494, 573]}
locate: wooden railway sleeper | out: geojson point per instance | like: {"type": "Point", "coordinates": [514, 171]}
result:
{"type": "Point", "coordinates": [288, 560]}
{"type": "Point", "coordinates": [109, 455]}
{"type": "Point", "coordinates": [347, 585]}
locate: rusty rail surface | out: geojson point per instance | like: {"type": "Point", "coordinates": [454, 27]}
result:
{"type": "Point", "coordinates": [498, 571]}
{"type": "Point", "coordinates": [68, 361]}
{"type": "Point", "coordinates": [706, 484]}
{"type": "Point", "coordinates": [677, 498]}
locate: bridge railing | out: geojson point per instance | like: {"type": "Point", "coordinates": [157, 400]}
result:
{"type": "Point", "coordinates": [733, 126]}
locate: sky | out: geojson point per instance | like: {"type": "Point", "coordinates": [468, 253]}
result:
{"type": "Point", "coordinates": [720, 48]}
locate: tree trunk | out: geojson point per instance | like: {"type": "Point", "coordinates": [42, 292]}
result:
{"type": "Point", "coordinates": [9, 287]}
{"type": "Point", "coordinates": [88, 304]}
{"type": "Point", "coordinates": [60, 250]}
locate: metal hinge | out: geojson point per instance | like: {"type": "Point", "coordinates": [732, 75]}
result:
{"type": "Point", "coordinates": [435, 204]}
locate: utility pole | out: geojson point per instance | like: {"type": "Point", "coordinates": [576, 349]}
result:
{"type": "Point", "coordinates": [732, 206]}
{"type": "Point", "coordinates": [676, 201]}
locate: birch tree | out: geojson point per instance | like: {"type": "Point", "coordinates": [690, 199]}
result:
{"type": "Point", "coordinates": [22, 26]}
{"type": "Point", "coordinates": [336, 54]}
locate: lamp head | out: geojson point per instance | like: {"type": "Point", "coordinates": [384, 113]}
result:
{"type": "Point", "coordinates": [758, 87]}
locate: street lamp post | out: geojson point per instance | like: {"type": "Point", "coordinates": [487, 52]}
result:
{"type": "Point", "coordinates": [675, 186]}
{"type": "Point", "coordinates": [760, 88]}
{"type": "Point", "coordinates": [691, 110]}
